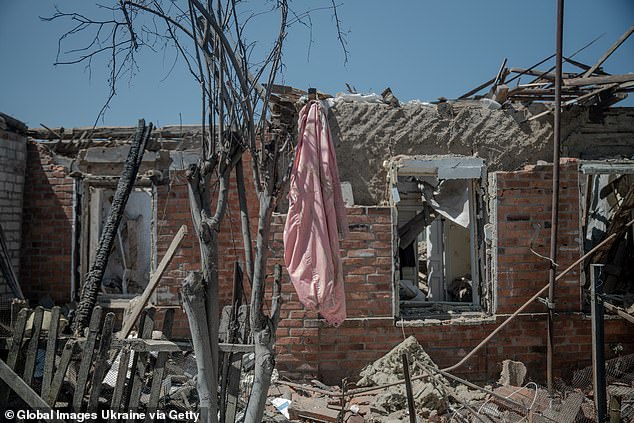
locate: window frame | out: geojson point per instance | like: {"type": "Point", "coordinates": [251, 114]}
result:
{"type": "Point", "coordinates": [444, 167]}
{"type": "Point", "coordinates": [110, 182]}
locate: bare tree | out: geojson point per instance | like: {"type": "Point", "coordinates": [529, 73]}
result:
{"type": "Point", "coordinates": [235, 91]}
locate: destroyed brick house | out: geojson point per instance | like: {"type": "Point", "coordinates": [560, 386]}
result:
{"type": "Point", "coordinates": [479, 254]}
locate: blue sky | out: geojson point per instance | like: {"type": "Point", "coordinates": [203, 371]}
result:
{"type": "Point", "coordinates": [421, 49]}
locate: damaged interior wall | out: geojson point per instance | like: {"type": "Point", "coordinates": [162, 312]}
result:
{"type": "Point", "coordinates": [370, 133]}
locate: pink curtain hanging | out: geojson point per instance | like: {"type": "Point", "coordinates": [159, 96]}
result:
{"type": "Point", "coordinates": [316, 219]}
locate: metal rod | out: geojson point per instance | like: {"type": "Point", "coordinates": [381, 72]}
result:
{"type": "Point", "coordinates": [598, 342]}
{"type": "Point", "coordinates": [408, 389]}
{"type": "Point", "coordinates": [533, 298]}
{"type": "Point", "coordinates": [555, 198]}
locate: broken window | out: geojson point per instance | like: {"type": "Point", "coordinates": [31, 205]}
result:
{"type": "Point", "coordinates": [130, 261]}
{"type": "Point", "coordinates": [607, 204]}
{"type": "Point", "coordinates": [436, 205]}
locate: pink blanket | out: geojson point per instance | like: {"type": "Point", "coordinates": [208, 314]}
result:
{"type": "Point", "coordinates": [316, 218]}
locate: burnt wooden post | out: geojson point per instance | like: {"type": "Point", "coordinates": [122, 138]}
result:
{"type": "Point", "coordinates": [598, 342]}
{"type": "Point", "coordinates": [94, 277]}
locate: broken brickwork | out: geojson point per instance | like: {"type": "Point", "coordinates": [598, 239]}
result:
{"type": "Point", "coordinates": [519, 214]}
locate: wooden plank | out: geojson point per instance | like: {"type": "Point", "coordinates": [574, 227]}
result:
{"type": "Point", "coordinates": [51, 350]}
{"type": "Point", "coordinates": [163, 345]}
{"type": "Point", "coordinates": [159, 367]}
{"type": "Point", "coordinates": [618, 310]}
{"type": "Point", "coordinates": [593, 80]}
{"type": "Point", "coordinates": [607, 54]}
{"type": "Point", "coordinates": [18, 335]}
{"type": "Point", "coordinates": [86, 359]}
{"type": "Point", "coordinates": [31, 354]}
{"type": "Point", "coordinates": [140, 365]}
{"type": "Point", "coordinates": [233, 386]}
{"type": "Point", "coordinates": [151, 286]}
{"type": "Point", "coordinates": [131, 365]}
{"type": "Point", "coordinates": [575, 100]}
{"type": "Point", "coordinates": [478, 88]}
{"type": "Point", "coordinates": [119, 388]}
{"type": "Point", "coordinates": [24, 391]}
{"type": "Point", "coordinates": [58, 378]}
{"type": "Point", "coordinates": [101, 364]}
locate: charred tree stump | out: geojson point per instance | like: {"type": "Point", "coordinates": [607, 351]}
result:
{"type": "Point", "coordinates": [94, 277]}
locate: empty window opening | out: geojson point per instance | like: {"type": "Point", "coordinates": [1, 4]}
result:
{"type": "Point", "coordinates": [130, 260]}
{"type": "Point", "coordinates": [436, 221]}
{"type": "Point", "coordinates": [607, 203]}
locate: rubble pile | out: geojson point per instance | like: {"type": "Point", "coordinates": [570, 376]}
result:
{"type": "Point", "coordinates": [379, 396]}
{"type": "Point", "coordinates": [430, 393]}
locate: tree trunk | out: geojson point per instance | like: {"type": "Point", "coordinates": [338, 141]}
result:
{"type": "Point", "coordinates": [263, 327]}
{"type": "Point", "coordinates": [206, 380]}
{"type": "Point", "coordinates": [207, 227]}
{"type": "Point", "coordinates": [92, 284]}
{"type": "Point", "coordinates": [244, 221]}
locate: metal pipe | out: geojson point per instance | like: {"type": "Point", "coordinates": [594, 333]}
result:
{"type": "Point", "coordinates": [533, 298]}
{"type": "Point", "coordinates": [598, 342]}
{"type": "Point", "coordinates": [408, 389]}
{"type": "Point", "coordinates": [555, 198]}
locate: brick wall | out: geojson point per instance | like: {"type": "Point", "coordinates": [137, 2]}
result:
{"type": "Point", "coordinates": [46, 227]}
{"type": "Point", "coordinates": [523, 202]}
{"type": "Point", "coordinates": [12, 167]}
{"type": "Point", "coordinates": [307, 347]}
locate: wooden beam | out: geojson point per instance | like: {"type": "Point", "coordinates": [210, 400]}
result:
{"type": "Point", "coordinates": [51, 351]}
{"type": "Point", "coordinates": [25, 392]}
{"type": "Point", "coordinates": [152, 284]}
{"type": "Point", "coordinates": [58, 378]}
{"type": "Point", "coordinates": [584, 66]}
{"type": "Point", "coordinates": [542, 74]}
{"type": "Point", "coordinates": [575, 100]}
{"type": "Point", "coordinates": [593, 80]}
{"type": "Point", "coordinates": [101, 363]}
{"type": "Point", "coordinates": [618, 310]}
{"type": "Point", "coordinates": [159, 368]}
{"type": "Point", "coordinates": [31, 354]}
{"type": "Point", "coordinates": [478, 88]}
{"type": "Point", "coordinates": [86, 359]}
{"type": "Point", "coordinates": [607, 54]}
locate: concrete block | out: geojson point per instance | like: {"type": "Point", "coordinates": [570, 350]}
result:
{"type": "Point", "coordinates": [513, 373]}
